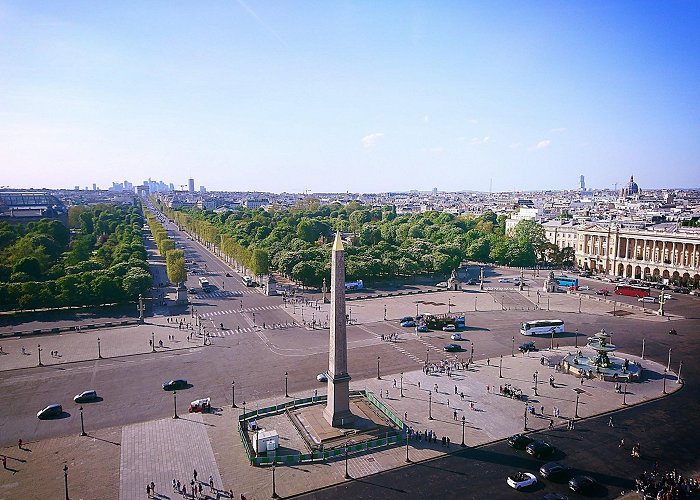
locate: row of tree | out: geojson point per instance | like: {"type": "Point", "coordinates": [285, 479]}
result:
{"type": "Point", "coordinates": [100, 259]}
{"type": "Point", "coordinates": [174, 257]}
{"type": "Point", "coordinates": [296, 242]}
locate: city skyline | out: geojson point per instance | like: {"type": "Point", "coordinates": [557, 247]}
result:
{"type": "Point", "coordinates": [351, 96]}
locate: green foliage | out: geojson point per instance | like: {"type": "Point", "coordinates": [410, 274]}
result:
{"type": "Point", "coordinates": [43, 266]}
{"type": "Point", "coordinates": [296, 242]}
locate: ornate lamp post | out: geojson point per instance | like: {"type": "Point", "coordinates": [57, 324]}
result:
{"type": "Point", "coordinates": [82, 425]}
{"type": "Point", "coordinates": [426, 356]}
{"type": "Point", "coordinates": [347, 476]}
{"type": "Point", "coordinates": [665, 380]}
{"type": "Point", "coordinates": [99, 350]}
{"type": "Point", "coordinates": [378, 377]}
{"type": "Point", "coordinates": [463, 422]}
{"type": "Point", "coordinates": [233, 394]}
{"type": "Point", "coordinates": [512, 348]}
{"type": "Point", "coordinates": [430, 405]}
{"type": "Point", "coordinates": [576, 338]}
{"type": "Point", "coordinates": [286, 379]}
{"type": "Point", "coordinates": [668, 366]}
{"type": "Point", "coordinates": [535, 380]}
{"type": "Point", "coordinates": [274, 491]}
{"type": "Point", "coordinates": [408, 437]}
{"type": "Point", "coordinates": [525, 424]}
{"type": "Point", "coordinates": [401, 385]}
{"type": "Point", "coordinates": [153, 342]}
{"type": "Point", "coordinates": [38, 347]}
{"type": "Point", "coordinates": [384, 312]}
{"type": "Point", "coordinates": [500, 367]}
{"type": "Point", "coordinates": [576, 410]}
{"type": "Point", "coordinates": [175, 415]}
{"type": "Point", "coordinates": [65, 479]}
{"type": "Point", "coordinates": [624, 395]}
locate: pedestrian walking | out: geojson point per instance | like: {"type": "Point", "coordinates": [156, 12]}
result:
{"type": "Point", "coordinates": [454, 415]}
{"type": "Point", "coordinates": [194, 474]}
{"type": "Point", "coordinates": [488, 361]}
{"type": "Point", "coordinates": [419, 384]}
{"type": "Point", "coordinates": [455, 389]}
{"type": "Point", "coordinates": [448, 441]}
{"type": "Point", "coordinates": [622, 443]}
{"type": "Point", "coordinates": [551, 423]}
{"type": "Point", "coordinates": [405, 415]}
{"type": "Point", "coordinates": [148, 491]}
{"type": "Point", "coordinates": [19, 443]}
{"type": "Point", "coordinates": [610, 422]}
{"type": "Point", "coordinates": [4, 462]}
{"type": "Point", "coordinates": [211, 483]}
{"type": "Point", "coordinates": [394, 382]}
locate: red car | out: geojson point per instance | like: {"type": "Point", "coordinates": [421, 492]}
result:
{"type": "Point", "coordinates": [603, 291]}
{"type": "Point", "coordinates": [200, 405]}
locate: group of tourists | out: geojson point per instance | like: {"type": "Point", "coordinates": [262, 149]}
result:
{"type": "Point", "coordinates": [428, 436]}
{"type": "Point", "coordinates": [669, 486]}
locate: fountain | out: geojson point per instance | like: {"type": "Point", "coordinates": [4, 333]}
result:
{"type": "Point", "coordinates": [601, 364]}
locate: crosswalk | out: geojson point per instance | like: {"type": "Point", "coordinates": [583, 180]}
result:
{"type": "Point", "coordinates": [239, 311]}
{"type": "Point", "coordinates": [224, 294]}
{"type": "Point", "coordinates": [249, 329]}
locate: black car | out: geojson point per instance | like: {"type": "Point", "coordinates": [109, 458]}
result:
{"type": "Point", "coordinates": [228, 275]}
{"type": "Point", "coordinates": [406, 318]}
{"type": "Point", "coordinates": [540, 449]}
{"type": "Point", "coordinates": [173, 385]}
{"type": "Point", "coordinates": [554, 471]}
{"type": "Point", "coordinates": [518, 441]}
{"type": "Point", "coordinates": [451, 348]}
{"type": "Point", "coordinates": [527, 346]}
{"type": "Point", "coordinates": [582, 484]}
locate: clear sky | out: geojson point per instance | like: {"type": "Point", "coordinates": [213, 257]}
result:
{"type": "Point", "coordinates": [350, 96]}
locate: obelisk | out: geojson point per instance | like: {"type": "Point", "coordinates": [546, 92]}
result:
{"type": "Point", "coordinates": [337, 411]}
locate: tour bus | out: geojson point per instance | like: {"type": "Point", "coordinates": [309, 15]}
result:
{"type": "Point", "coordinates": [204, 283]}
{"type": "Point", "coordinates": [632, 291]}
{"type": "Point", "coordinates": [566, 282]}
{"type": "Point", "coordinates": [542, 327]}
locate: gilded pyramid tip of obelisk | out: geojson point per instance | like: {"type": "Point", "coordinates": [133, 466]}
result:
{"type": "Point", "coordinates": [338, 243]}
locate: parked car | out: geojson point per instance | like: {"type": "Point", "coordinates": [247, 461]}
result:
{"type": "Point", "coordinates": [86, 396]}
{"type": "Point", "coordinates": [603, 291]}
{"type": "Point", "coordinates": [406, 318]}
{"type": "Point", "coordinates": [582, 484]}
{"type": "Point", "coordinates": [521, 480]}
{"type": "Point", "coordinates": [408, 323]}
{"type": "Point", "coordinates": [50, 411]}
{"type": "Point", "coordinates": [503, 280]}
{"type": "Point", "coordinates": [449, 328]}
{"type": "Point", "coordinates": [173, 385]}
{"type": "Point", "coordinates": [667, 296]}
{"type": "Point", "coordinates": [584, 287]}
{"type": "Point", "coordinates": [554, 471]}
{"type": "Point", "coordinates": [527, 347]}
{"type": "Point", "coordinates": [540, 449]}
{"type": "Point", "coordinates": [322, 377]}
{"type": "Point", "coordinates": [422, 328]}
{"type": "Point", "coordinates": [451, 348]}
{"type": "Point", "coordinates": [695, 292]}
{"type": "Point", "coordinates": [651, 299]}
{"type": "Point", "coordinates": [442, 284]}
{"type": "Point", "coordinates": [519, 441]}
{"type": "Point", "coordinates": [456, 336]}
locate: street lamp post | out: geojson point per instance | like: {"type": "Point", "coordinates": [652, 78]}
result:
{"type": "Point", "coordinates": [430, 405]}
{"type": "Point", "coordinates": [347, 476]}
{"type": "Point", "coordinates": [401, 385]}
{"type": "Point", "coordinates": [384, 312]}
{"type": "Point", "coordinates": [175, 415]}
{"type": "Point", "coordinates": [99, 350]}
{"type": "Point", "coordinates": [38, 347]}
{"type": "Point", "coordinates": [82, 424]}
{"type": "Point", "coordinates": [233, 394]}
{"type": "Point", "coordinates": [471, 356]}
{"type": "Point", "coordinates": [551, 342]}
{"type": "Point", "coordinates": [624, 394]}
{"type": "Point", "coordinates": [500, 367]}
{"type": "Point", "coordinates": [668, 366]}
{"type": "Point", "coordinates": [642, 348]}
{"type": "Point", "coordinates": [153, 342]}
{"type": "Point", "coordinates": [65, 479]}
{"type": "Point", "coordinates": [378, 377]}
{"type": "Point", "coordinates": [579, 304]}
{"type": "Point", "coordinates": [665, 380]}
{"type": "Point", "coordinates": [274, 491]}
{"type": "Point", "coordinates": [408, 437]}
{"type": "Point", "coordinates": [512, 348]}
{"type": "Point", "coordinates": [576, 338]}
{"type": "Point", "coordinates": [416, 309]}
{"type": "Point", "coordinates": [463, 422]}
{"type": "Point", "coordinates": [286, 378]}
{"type": "Point", "coordinates": [426, 356]}
{"type": "Point", "coordinates": [576, 410]}
{"type": "Point", "coordinates": [535, 379]}
{"type": "Point", "coordinates": [525, 417]}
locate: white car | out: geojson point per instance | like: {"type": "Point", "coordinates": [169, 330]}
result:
{"type": "Point", "coordinates": [322, 377]}
{"type": "Point", "coordinates": [442, 284]}
{"type": "Point", "coordinates": [521, 480]}
{"type": "Point", "coordinates": [653, 300]}
{"type": "Point", "coordinates": [667, 296]}
{"type": "Point", "coordinates": [449, 328]}
{"type": "Point", "coordinates": [456, 336]}
{"type": "Point", "coordinates": [503, 280]}
{"type": "Point", "coordinates": [584, 287]}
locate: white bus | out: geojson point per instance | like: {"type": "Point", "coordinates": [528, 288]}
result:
{"type": "Point", "coordinates": [542, 327]}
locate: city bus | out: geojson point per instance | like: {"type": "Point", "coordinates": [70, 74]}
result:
{"type": "Point", "coordinates": [566, 282]}
{"type": "Point", "coordinates": [248, 281]}
{"type": "Point", "coordinates": [204, 283]}
{"type": "Point", "coordinates": [632, 291]}
{"type": "Point", "coordinates": [542, 327]}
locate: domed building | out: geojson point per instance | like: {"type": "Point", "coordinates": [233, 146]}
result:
{"type": "Point", "coordinates": [631, 189]}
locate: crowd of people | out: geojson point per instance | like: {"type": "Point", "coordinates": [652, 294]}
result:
{"type": "Point", "coordinates": [668, 486]}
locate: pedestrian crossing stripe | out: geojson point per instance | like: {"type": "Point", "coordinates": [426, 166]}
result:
{"type": "Point", "coordinates": [246, 310]}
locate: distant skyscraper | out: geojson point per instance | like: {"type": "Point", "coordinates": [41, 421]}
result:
{"type": "Point", "coordinates": [583, 183]}
{"type": "Point", "coordinates": [94, 186]}
{"type": "Point", "coordinates": [191, 185]}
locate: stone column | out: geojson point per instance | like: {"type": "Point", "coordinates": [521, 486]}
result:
{"type": "Point", "coordinates": [337, 411]}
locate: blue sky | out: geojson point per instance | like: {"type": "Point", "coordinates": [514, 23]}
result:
{"type": "Point", "coordinates": [350, 96]}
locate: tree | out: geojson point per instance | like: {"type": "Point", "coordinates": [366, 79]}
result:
{"type": "Point", "coordinates": [136, 281]}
